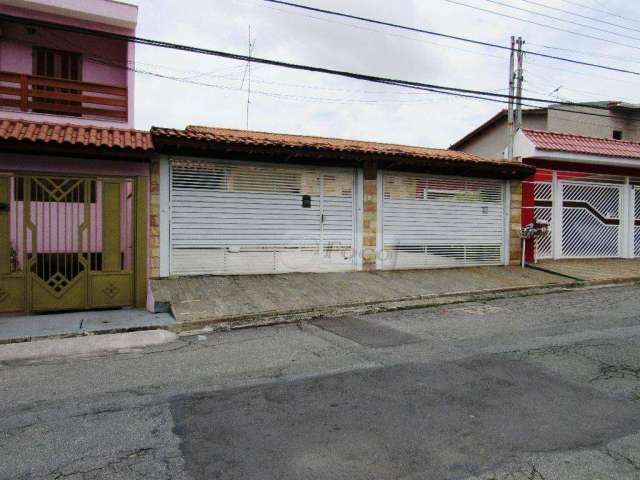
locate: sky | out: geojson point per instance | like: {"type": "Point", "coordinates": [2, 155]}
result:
{"type": "Point", "coordinates": [206, 90]}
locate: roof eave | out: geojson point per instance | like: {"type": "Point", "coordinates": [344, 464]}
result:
{"type": "Point", "coordinates": [72, 149]}
{"type": "Point", "coordinates": [203, 148]}
{"type": "Point", "coordinates": [586, 158]}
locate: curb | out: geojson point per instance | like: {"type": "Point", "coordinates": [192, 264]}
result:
{"type": "Point", "coordinates": [60, 336]}
{"type": "Point", "coordinates": [270, 318]}
{"type": "Point", "coordinates": [84, 345]}
{"type": "Point", "coordinates": [407, 303]}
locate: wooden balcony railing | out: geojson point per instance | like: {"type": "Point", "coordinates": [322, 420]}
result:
{"type": "Point", "coordinates": [30, 93]}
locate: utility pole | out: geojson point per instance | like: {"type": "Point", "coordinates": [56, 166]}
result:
{"type": "Point", "coordinates": [516, 79]}
{"type": "Point", "coordinates": [510, 120]}
{"type": "Point", "coordinates": [519, 83]}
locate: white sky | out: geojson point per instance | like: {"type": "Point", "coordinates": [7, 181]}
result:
{"type": "Point", "coordinates": [315, 104]}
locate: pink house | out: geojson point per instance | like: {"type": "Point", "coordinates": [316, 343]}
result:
{"type": "Point", "coordinates": [36, 64]}
{"type": "Point", "coordinates": [74, 175]}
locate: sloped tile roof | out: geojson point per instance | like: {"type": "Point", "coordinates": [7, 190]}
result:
{"type": "Point", "coordinates": [564, 142]}
{"type": "Point", "coordinates": [459, 144]}
{"type": "Point", "coordinates": [80, 135]}
{"type": "Point", "coordinates": [320, 144]}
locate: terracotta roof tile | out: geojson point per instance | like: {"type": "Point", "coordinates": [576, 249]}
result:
{"type": "Point", "coordinates": [265, 139]}
{"type": "Point", "coordinates": [564, 142]}
{"type": "Point", "coordinates": [26, 131]}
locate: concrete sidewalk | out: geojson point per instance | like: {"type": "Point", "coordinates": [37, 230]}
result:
{"type": "Point", "coordinates": [594, 271]}
{"type": "Point", "coordinates": [32, 327]}
{"type": "Point", "coordinates": [210, 299]}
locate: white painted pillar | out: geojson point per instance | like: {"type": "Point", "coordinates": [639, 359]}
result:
{"type": "Point", "coordinates": [165, 217]}
{"type": "Point", "coordinates": [358, 193]}
{"type": "Point", "coordinates": [506, 254]}
{"type": "Point", "coordinates": [627, 220]}
{"type": "Point", "coordinates": [556, 217]}
{"type": "Point", "coordinates": [379, 233]}
{"type": "Point", "coordinates": [633, 191]}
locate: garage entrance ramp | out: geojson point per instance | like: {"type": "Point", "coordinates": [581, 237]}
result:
{"type": "Point", "coordinates": [616, 270]}
{"type": "Point", "coordinates": [205, 299]}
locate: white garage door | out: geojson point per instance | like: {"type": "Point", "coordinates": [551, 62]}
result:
{"type": "Point", "coordinates": [432, 221]}
{"type": "Point", "coordinates": [232, 218]}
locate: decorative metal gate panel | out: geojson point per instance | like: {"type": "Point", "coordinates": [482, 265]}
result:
{"type": "Point", "coordinates": [591, 220]}
{"type": "Point", "coordinates": [70, 242]}
{"type": "Point", "coordinates": [543, 210]}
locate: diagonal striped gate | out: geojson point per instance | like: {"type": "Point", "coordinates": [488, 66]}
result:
{"type": "Point", "coordinates": [591, 216]}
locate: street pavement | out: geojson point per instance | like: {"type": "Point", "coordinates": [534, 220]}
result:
{"type": "Point", "coordinates": [540, 387]}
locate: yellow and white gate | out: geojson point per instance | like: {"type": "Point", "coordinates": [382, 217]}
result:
{"type": "Point", "coordinates": [66, 243]}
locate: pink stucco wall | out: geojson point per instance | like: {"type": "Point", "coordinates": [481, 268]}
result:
{"type": "Point", "coordinates": [104, 60]}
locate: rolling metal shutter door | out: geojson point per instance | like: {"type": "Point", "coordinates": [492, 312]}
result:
{"type": "Point", "coordinates": [231, 218]}
{"type": "Point", "coordinates": [432, 221]}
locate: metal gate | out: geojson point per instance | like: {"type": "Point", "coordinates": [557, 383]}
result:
{"type": "Point", "coordinates": [241, 218]}
{"type": "Point", "coordinates": [591, 220]}
{"type": "Point", "coordinates": [543, 210]}
{"type": "Point", "coordinates": [66, 243]}
{"type": "Point", "coordinates": [432, 221]}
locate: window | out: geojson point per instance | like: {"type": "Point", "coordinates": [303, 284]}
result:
{"type": "Point", "coordinates": [59, 65]}
{"type": "Point", "coordinates": [617, 134]}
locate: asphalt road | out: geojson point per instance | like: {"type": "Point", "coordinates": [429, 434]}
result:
{"type": "Point", "coordinates": [539, 388]}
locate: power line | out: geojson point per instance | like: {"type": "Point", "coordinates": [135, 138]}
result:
{"type": "Point", "coordinates": [558, 29]}
{"type": "Point", "coordinates": [452, 37]}
{"type": "Point", "coordinates": [342, 14]}
{"type": "Point", "coordinates": [406, 37]}
{"type": "Point", "coordinates": [589, 7]}
{"type": "Point", "coordinates": [457, 91]}
{"type": "Point", "coordinates": [247, 58]}
{"type": "Point", "coordinates": [485, 55]}
{"type": "Point", "coordinates": [106, 61]}
{"type": "Point", "coordinates": [583, 52]}
{"type": "Point", "coordinates": [557, 19]}
{"type": "Point", "coordinates": [422, 89]}
{"type": "Point", "coordinates": [569, 12]}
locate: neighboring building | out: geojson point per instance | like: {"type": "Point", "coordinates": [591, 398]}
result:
{"type": "Point", "coordinates": [73, 174]}
{"type": "Point", "coordinates": [619, 121]}
{"type": "Point", "coordinates": [234, 201]}
{"type": "Point", "coordinates": [587, 188]}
